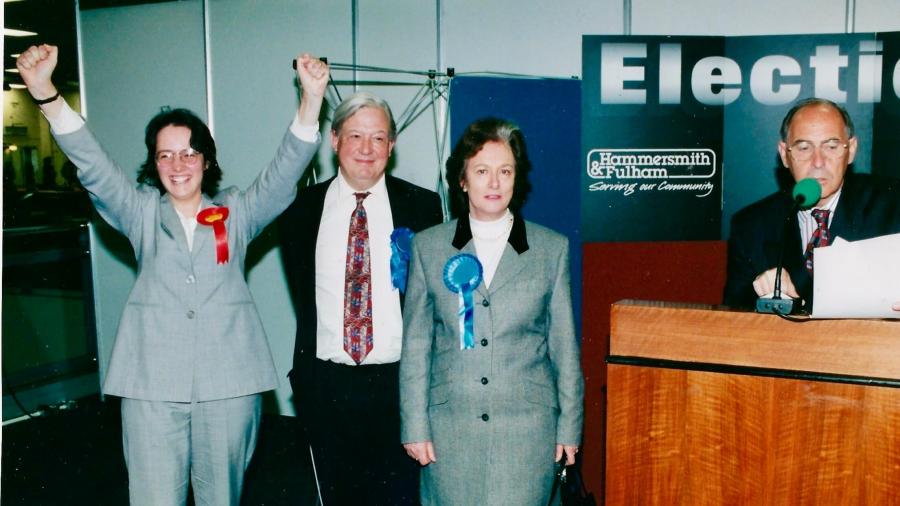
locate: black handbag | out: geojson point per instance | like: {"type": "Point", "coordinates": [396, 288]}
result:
{"type": "Point", "coordinates": [569, 486]}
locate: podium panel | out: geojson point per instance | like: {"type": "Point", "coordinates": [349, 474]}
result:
{"type": "Point", "coordinates": [696, 415]}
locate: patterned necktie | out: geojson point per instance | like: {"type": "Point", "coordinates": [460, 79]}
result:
{"type": "Point", "coordinates": [820, 237]}
{"type": "Point", "coordinates": [358, 286]}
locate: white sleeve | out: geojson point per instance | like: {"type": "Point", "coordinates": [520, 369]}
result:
{"type": "Point", "coordinates": [66, 122]}
{"type": "Point", "coordinates": [306, 133]}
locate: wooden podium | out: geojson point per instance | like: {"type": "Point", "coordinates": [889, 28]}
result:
{"type": "Point", "coordinates": [710, 406]}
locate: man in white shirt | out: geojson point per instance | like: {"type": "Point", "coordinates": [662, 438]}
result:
{"type": "Point", "coordinates": [349, 328]}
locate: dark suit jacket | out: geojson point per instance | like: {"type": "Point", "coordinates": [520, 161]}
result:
{"type": "Point", "coordinates": [411, 206]}
{"type": "Point", "coordinates": [869, 207]}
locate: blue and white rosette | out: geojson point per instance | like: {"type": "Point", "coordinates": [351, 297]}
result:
{"type": "Point", "coordinates": [462, 275]}
{"type": "Point", "coordinates": [401, 246]}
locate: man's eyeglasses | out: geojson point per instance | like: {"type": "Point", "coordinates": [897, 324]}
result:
{"type": "Point", "coordinates": [187, 156]}
{"type": "Point", "coordinates": [802, 151]}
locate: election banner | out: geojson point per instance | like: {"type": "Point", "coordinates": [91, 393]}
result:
{"type": "Point", "coordinates": [678, 133]}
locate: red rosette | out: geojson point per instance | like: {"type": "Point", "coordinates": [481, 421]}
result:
{"type": "Point", "coordinates": [215, 217]}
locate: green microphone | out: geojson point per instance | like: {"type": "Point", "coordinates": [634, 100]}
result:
{"type": "Point", "coordinates": [806, 193]}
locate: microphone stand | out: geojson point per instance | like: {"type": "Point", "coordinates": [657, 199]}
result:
{"type": "Point", "coordinates": [777, 304]}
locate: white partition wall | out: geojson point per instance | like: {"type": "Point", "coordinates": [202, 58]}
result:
{"type": "Point", "coordinates": [254, 99]}
{"type": "Point", "coordinates": [536, 38]}
{"type": "Point", "coordinates": [740, 17]}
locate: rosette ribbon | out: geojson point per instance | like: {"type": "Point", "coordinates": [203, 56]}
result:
{"type": "Point", "coordinates": [215, 217]}
{"type": "Point", "coordinates": [401, 245]}
{"type": "Point", "coordinates": [462, 274]}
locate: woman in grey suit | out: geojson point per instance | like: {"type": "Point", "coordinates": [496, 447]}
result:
{"type": "Point", "coordinates": [190, 358]}
{"type": "Point", "coordinates": [491, 388]}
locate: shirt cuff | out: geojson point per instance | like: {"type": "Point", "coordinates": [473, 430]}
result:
{"type": "Point", "coordinates": [66, 122]}
{"type": "Point", "coordinates": [306, 133]}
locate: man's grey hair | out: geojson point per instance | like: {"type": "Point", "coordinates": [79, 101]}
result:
{"type": "Point", "coordinates": [357, 101]}
{"type": "Point", "coordinates": [807, 102]}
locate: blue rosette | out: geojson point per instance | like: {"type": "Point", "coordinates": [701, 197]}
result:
{"type": "Point", "coordinates": [462, 275]}
{"type": "Point", "coordinates": [401, 246]}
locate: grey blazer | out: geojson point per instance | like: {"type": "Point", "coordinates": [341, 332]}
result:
{"type": "Point", "coordinates": [494, 413]}
{"type": "Point", "coordinates": [190, 329]}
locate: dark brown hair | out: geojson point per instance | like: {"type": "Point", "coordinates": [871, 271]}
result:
{"type": "Point", "coordinates": [201, 140]}
{"type": "Point", "coordinates": [473, 139]}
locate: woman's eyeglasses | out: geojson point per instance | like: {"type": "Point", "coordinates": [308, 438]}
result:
{"type": "Point", "coordinates": [187, 156]}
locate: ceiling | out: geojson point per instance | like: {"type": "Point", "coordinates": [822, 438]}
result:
{"type": "Point", "coordinates": [54, 22]}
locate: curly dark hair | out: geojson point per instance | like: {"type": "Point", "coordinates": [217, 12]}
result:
{"type": "Point", "coordinates": [201, 140]}
{"type": "Point", "coordinates": [473, 139]}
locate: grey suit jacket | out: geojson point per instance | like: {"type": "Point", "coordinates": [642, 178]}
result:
{"type": "Point", "coordinates": [496, 412]}
{"type": "Point", "coordinates": [190, 329]}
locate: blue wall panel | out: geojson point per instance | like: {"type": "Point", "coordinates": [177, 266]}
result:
{"type": "Point", "coordinates": [549, 113]}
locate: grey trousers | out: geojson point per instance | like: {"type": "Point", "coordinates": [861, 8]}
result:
{"type": "Point", "coordinates": [209, 443]}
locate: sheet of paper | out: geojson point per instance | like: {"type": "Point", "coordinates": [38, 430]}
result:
{"type": "Point", "coordinates": [859, 279]}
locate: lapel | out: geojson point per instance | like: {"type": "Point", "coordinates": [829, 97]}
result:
{"type": "Point", "coordinates": [400, 215]}
{"type": "Point", "coordinates": [844, 221]}
{"type": "Point", "coordinates": [794, 257]}
{"type": "Point", "coordinates": [514, 258]}
{"type": "Point", "coordinates": [313, 217]}
{"type": "Point", "coordinates": [470, 249]}
{"type": "Point", "coordinates": [304, 219]}
{"type": "Point", "coordinates": [780, 232]}
{"type": "Point", "coordinates": [203, 235]}
{"type": "Point", "coordinates": [793, 247]}
{"type": "Point", "coordinates": [511, 263]}
{"type": "Point", "coordinates": [170, 223]}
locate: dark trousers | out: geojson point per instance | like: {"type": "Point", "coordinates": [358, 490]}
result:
{"type": "Point", "coordinates": [354, 430]}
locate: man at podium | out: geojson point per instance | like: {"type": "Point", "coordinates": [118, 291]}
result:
{"type": "Point", "coordinates": [817, 141]}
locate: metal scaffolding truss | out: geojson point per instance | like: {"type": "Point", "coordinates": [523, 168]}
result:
{"type": "Point", "coordinates": [433, 94]}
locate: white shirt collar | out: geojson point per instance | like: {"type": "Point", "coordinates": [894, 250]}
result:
{"type": "Point", "coordinates": [829, 206]}
{"type": "Point", "coordinates": [347, 191]}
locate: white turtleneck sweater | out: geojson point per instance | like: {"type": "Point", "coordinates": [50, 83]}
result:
{"type": "Point", "coordinates": [490, 241]}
